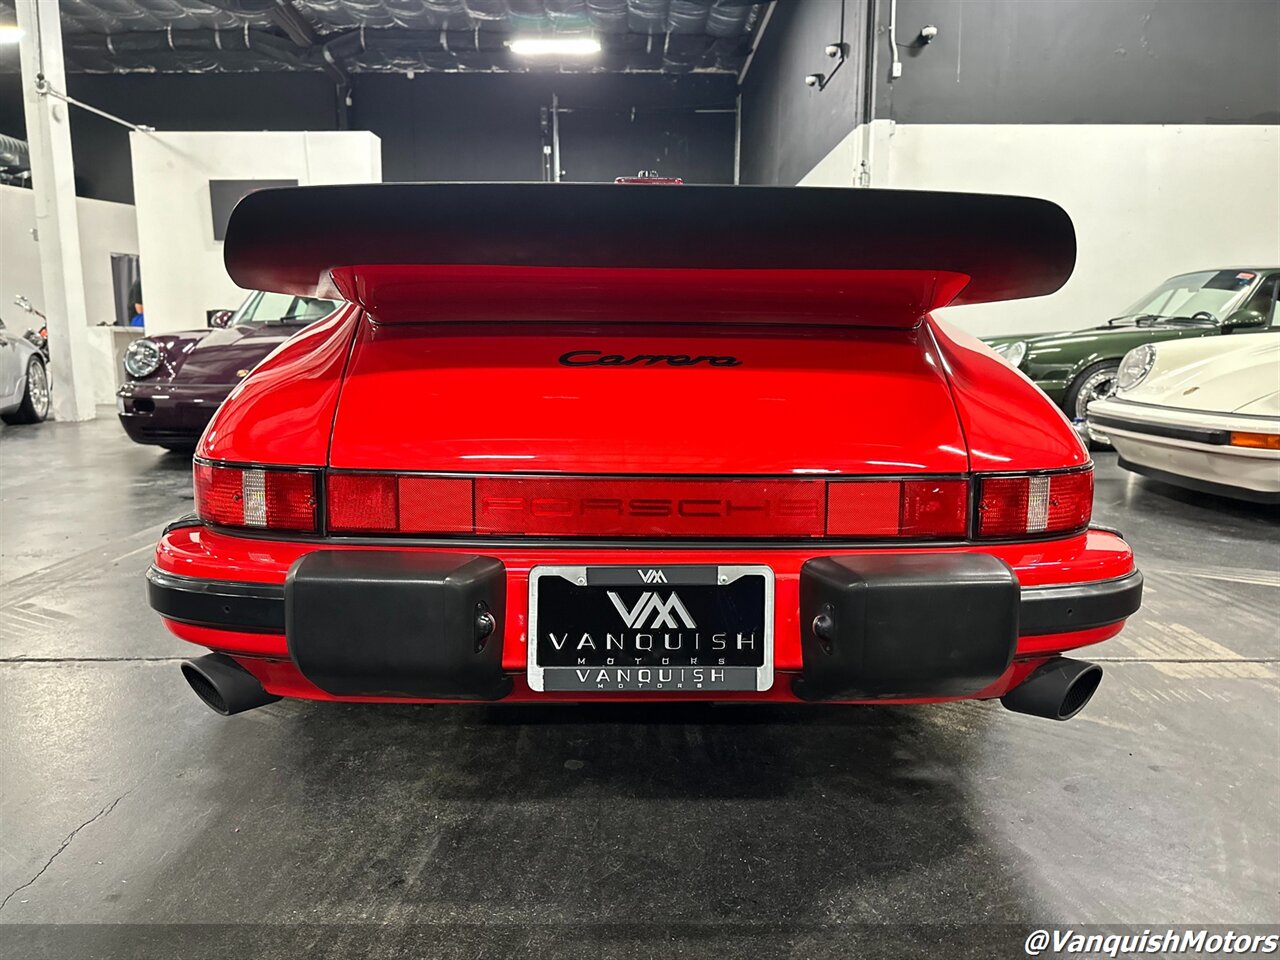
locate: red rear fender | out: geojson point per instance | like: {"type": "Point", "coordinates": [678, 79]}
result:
{"type": "Point", "coordinates": [282, 412]}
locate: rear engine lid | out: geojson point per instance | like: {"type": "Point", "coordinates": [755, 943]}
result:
{"type": "Point", "coordinates": [669, 400]}
{"type": "Point", "coordinates": [608, 253]}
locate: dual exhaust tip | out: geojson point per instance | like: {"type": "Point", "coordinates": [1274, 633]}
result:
{"type": "Point", "coordinates": [1056, 690]}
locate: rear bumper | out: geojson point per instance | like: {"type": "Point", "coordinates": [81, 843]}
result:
{"type": "Point", "coordinates": [230, 594]}
{"type": "Point", "coordinates": [168, 413]}
{"type": "Point", "coordinates": [240, 607]}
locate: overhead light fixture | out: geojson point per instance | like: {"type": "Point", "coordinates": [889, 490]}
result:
{"type": "Point", "coordinates": [9, 33]}
{"type": "Point", "coordinates": [555, 46]}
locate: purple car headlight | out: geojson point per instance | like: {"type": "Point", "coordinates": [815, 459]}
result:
{"type": "Point", "coordinates": [142, 358]}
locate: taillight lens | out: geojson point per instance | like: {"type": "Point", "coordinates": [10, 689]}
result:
{"type": "Point", "coordinates": [269, 499]}
{"type": "Point", "coordinates": [897, 508]}
{"type": "Point", "coordinates": [1032, 505]}
{"type": "Point", "coordinates": [1008, 506]}
{"type": "Point", "coordinates": [374, 503]}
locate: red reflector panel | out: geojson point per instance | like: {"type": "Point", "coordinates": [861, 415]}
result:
{"type": "Point", "coordinates": [897, 508]}
{"type": "Point", "coordinates": [1044, 503]}
{"type": "Point", "coordinates": [378, 503]}
{"type": "Point", "coordinates": [362, 502]}
{"type": "Point", "coordinates": [219, 497]}
{"type": "Point", "coordinates": [935, 508]}
{"type": "Point", "coordinates": [431, 505]}
{"type": "Point", "coordinates": [596, 507]}
{"type": "Point", "coordinates": [864, 508]}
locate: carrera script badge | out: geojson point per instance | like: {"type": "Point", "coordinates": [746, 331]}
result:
{"type": "Point", "coordinates": [597, 358]}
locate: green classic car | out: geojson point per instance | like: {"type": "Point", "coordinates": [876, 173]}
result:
{"type": "Point", "coordinates": [1079, 366]}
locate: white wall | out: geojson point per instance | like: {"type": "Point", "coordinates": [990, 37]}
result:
{"type": "Point", "coordinates": [105, 228]}
{"type": "Point", "coordinates": [182, 272]}
{"type": "Point", "coordinates": [1148, 201]}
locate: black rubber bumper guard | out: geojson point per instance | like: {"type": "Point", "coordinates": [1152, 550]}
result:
{"type": "Point", "coordinates": [872, 626]}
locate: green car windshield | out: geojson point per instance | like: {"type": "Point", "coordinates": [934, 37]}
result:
{"type": "Point", "coordinates": [1193, 295]}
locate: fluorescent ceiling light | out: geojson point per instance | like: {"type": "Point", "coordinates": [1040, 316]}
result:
{"type": "Point", "coordinates": [12, 34]}
{"type": "Point", "coordinates": [555, 46]}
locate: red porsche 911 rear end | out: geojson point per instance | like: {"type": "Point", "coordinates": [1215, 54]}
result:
{"type": "Point", "coordinates": [580, 442]}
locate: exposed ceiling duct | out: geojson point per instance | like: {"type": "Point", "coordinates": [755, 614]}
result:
{"type": "Point", "coordinates": [341, 36]}
{"type": "Point", "coordinates": [15, 161]}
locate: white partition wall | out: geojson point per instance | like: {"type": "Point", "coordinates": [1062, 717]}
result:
{"type": "Point", "coordinates": [1148, 201]}
{"type": "Point", "coordinates": [105, 228]}
{"type": "Point", "coordinates": [182, 272]}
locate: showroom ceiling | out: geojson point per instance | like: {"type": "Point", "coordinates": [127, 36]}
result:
{"type": "Point", "coordinates": [205, 36]}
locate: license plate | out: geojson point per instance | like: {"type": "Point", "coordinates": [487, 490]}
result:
{"type": "Point", "coordinates": [671, 629]}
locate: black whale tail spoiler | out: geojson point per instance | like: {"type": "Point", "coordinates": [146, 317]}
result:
{"type": "Point", "coordinates": [607, 253]}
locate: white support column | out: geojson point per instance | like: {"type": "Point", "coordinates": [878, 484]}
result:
{"type": "Point", "coordinates": [58, 228]}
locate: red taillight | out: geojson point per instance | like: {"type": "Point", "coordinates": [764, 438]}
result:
{"type": "Point", "coordinates": [372, 503]}
{"type": "Point", "coordinates": [897, 508]}
{"type": "Point", "coordinates": [270, 499]}
{"type": "Point", "coordinates": [1033, 505]}
{"type": "Point", "coordinates": [1070, 501]}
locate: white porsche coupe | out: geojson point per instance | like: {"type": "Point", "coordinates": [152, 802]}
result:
{"type": "Point", "coordinates": [1202, 414]}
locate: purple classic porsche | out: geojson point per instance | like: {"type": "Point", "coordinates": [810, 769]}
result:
{"type": "Point", "coordinates": [177, 380]}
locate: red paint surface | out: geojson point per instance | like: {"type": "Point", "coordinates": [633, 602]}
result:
{"type": "Point", "coordinates": [495, 399]}
{"type": "Point", "coordinates": [1008, 423]}
{"type": "Point", "coordinates": [281, 412]}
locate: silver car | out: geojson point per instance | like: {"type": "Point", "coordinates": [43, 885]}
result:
{"type": "Point", "coordinates": [24, 380]}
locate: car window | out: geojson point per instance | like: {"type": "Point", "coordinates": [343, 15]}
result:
{"type": "Point", "coordinates": [1264, 298]}
{"type": "Point", "coordinates": [1209, 292]}
{"type": "Point", "coordinates": [266, 307]}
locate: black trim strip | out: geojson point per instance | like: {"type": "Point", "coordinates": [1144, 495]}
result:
{"type": "Point", "coordinates": [1202, 486]}
{"type": "Point", "coordinates": [484, 544]}
{"type": "Point", "coordinates": [259, 607]}
{"type": "Point", "coordinates": [220, 604]}
{"type": "Point", "coordinates": [1082, 606]}
{"type": "Point", "coordinates": [186, 520]}
{"type": "Point", "coordinates": [1193, 434]}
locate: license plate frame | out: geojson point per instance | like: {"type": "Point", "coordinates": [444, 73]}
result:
{"type": "Point", "coordinates": [593, 576]}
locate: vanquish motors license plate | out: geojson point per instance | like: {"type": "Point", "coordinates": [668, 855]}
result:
{"type": "Point", "coordinates": [671, 629]}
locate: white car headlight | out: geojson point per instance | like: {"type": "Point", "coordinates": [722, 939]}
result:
{"type": "Point", "coordinates": [1135, 366]}
{"type": "Point", "coordinates": [1013, 352]}
{"type": "Point", "coordinates": [142, 358]}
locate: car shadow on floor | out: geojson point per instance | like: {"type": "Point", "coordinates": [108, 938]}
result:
{"type": "Point", "coordinates": [657, 818]}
